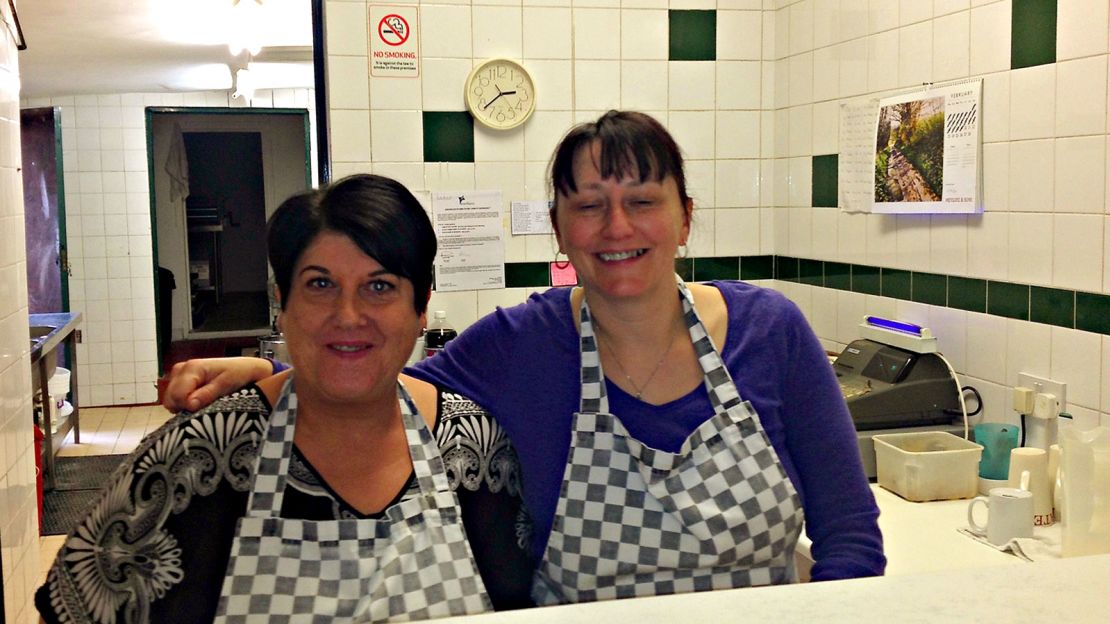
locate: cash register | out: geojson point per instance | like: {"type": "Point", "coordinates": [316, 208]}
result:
{"type": "Point", "coordinates": [894, 380]}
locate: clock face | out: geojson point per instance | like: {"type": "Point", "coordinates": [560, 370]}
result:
{"type": "Point", "coordinates": [500, 94]}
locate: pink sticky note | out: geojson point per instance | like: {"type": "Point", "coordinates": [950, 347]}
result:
{"type": "Point", "coordinates": [563, 274]}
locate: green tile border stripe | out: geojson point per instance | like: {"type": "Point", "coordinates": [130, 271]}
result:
{"type": "Point", "coordinates": [1071, 309]}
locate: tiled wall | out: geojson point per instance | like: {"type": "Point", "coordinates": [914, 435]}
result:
{"type": "Point", "coordinates": [107, 204]}
{"type": "Point", "coordinates": [1023, 286]}
{"type": "Point", "coordinates": [18, 512]}
{"type": "Point", "coordinates": [752, 90]}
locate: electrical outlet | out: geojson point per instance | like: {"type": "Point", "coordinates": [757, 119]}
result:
{"type": "Point", "coordinates": [1041, 385]}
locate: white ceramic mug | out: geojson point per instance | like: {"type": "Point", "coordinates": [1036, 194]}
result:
{"type": "Point", "coordinates": [1009, 515]}
{"type": "Point", "coordinates": [1035, 461]}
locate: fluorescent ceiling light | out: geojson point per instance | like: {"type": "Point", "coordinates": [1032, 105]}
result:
{"type": "Point", "coordinates": [211, 22]}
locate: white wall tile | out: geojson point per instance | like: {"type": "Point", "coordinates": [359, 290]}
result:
{"type": "Point", "coordinates": [547, 32]}
{"type": "Point", "coordinates": [1077, 246]}
{"type": "Point", "coordinates": [988, 241]}
{"type": "Point", "coordinates": [1033, 102]}
{"type": "Point", "coordinates": [882, 61]}
{"type": "Point", "coordinates": [1081, 96]}
{"type": "Point", "coordinates": [826, 23]}
{"type": "Point", "coordinates": [951, 41]}
{"type": "Point", "coordinates": [948, 244]}
{"type": "Point", "coordinates": [1080, 174]}
{"type": "Point", "coordinates": [915, 54]}
{"type": "Point", "coordinates": [1031, 233]}
{"type": "Point", "coordinates": [826, 126]}
{"type": "Point", "coordinates": [1076, 361]}
{"type": "Point", "coordinates": [1031, 176]}
{"type": "Point", "coordinates": [396, 136]}
{"type": "Point", "coordinates": [996, 107]}
{"type": "Point", "coordinates": [594, 31]}
{"type": "Point", "coordinates": [737, 134]}
{"type": "Point", "coordinates": [882, 15]}
{"type": "Point", "coordinates": [853, 67]}
{"type": "Point", "coordinates": [990, 38]}
{"type": "Point", "coordinates": [553, 81]}
{"type": "Point", "coordinates": [442, 82]}
{"type": "Point", "coordinates": [1081, 29]}
{"type": "Point", "coordinates": [644, 35]}
{"type": "Point", "coordinates": [801, 26]}
{"type": "Point", "coordinates": [738, 84]}
{"type": "Point", "coordinates": [1028, 350]}
{"type": "Point", "coordinates": [739, 35]}
{"type": "Point", "coordinates": [446, 31]}
{"type": "Point", "coordinates": [497, 31]}
{"type": "Point", "coordinates": [597, 85]}
{"type": "Point", "coordinates": [826, 74]}
{"type": "Point", "coordinates": [692, 85]}
{"type": "Point", "coordinates": [645, 84]}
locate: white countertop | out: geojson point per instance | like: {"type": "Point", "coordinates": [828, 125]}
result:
{"type": "Point", "coordinates": [922, 537]}
{"type": "Point", "coordinates": [934, 574]}
{"type": "Point", "coordinates": [1059, 591]}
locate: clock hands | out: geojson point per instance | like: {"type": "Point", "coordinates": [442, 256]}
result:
{"type": "Point", "coordinates": [499, 94]}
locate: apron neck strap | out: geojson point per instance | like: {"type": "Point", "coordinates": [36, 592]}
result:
{"type": "Point", "coordinates": [594, 398]}
{"type": "Point", "coordinates": [271, 468]}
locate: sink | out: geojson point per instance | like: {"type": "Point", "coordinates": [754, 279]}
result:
{"type": "Point", "coordinates": [38, 334]}
{"type": "Point", "coordinates": [39, 331]}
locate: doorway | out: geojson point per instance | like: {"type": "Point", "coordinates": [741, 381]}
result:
{"type": "Point", "coordinates": [216, 176]}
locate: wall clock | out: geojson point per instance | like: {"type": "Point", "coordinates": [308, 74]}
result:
{"type": "Point", "coordinates": [500, 94]}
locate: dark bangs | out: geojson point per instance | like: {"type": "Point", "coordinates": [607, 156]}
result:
{"type": "Point", "coordinates": [632, 144]}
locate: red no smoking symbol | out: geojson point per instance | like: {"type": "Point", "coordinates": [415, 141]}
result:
{"type": "Point", "coordinates": [393, 29]}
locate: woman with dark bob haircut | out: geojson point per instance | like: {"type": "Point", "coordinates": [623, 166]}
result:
{"type": "Point", "coordinates": [671, 434]}
{"type": "Point", "coordinates": [334, 494]}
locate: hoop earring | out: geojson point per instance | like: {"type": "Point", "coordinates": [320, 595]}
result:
{"type": "Point", "coordinates": [561, 264]}
{"type": "Point", "coordinates": [683, 250]}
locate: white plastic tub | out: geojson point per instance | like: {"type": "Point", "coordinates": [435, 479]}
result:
{"type": "Point", "coordinates": [928, 465]}
{"type": "Point", "coordinates": [59, 383]}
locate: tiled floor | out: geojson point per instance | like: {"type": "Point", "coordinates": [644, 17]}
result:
{"type": "Point", "coordinates": [104, 431]}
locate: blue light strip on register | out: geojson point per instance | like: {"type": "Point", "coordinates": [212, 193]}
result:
{"type": "Point", "coordinates": [899, 326]}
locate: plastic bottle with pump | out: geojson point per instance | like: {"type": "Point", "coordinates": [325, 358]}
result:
{"type": "Point", "coordinates": [438, 334]}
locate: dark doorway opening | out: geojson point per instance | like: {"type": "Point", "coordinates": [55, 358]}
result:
{"type": "Point", "coordinates": [226, 220]}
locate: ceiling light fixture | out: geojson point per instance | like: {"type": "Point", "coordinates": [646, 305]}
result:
{"type": "Point", "coordinates": [245, 32]}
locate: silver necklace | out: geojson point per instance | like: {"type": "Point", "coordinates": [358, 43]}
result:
{"type": "Point", "coordinates": [658, 365]}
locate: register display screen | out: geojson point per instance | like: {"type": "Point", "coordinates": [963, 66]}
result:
{"type": "Point", "coordinates": [888, 365]}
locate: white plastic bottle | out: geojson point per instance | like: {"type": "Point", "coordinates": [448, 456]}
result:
{"type": "Point", "coordinates": [438, 334]}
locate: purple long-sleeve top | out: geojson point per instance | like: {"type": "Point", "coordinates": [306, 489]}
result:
{"type": "Point", "coordinates": [522, 364]}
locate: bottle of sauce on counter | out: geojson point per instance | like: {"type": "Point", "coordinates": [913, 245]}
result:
{"type": "Point", "coordinates": [438, 334]}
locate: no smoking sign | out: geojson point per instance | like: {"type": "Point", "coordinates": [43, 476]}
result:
{"type": "Point", "coordinates": [394, 49]}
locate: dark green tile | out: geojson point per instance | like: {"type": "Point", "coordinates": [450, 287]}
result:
{"type": "Point", "coordinates": [685, 268]}
{"type": "Point", "coordinates": [811, 272]}
{"type": "Point", "coordinates": [838, 275]}
{"type": "Point", "coordinates": [757, 267]}
{"type": "Point", "coordinates": [865, 279]}
{"type": "Point", "coordinates": [1092, 312]}
{"type": "Point", "coordinates": [897, 283]}
{"type": "Point", "coordinates": [693, 35]}
{"type": "Point", "coordinates": [1009, 300]}
{"type": "Point", "coordinates": [721, 268]}
{"type": "Point", "coordinates": [967, 294]}
{"type": "Point", "coordinates": [1032, 33]}
{"type": "Point", "coordinates": [824, 181]}
{"type": "Point", "coordinates": [448, 137]}
{"type": "Point", "coordinates": [786, 268]}
{"type": "Point", "coordinates": [1052, 305]}
{"type": "Point", "coordinates": [930, 288]}
{"type": "Point", "coordinates": [527, 274]}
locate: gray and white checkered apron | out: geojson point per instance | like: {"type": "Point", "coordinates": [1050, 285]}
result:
{"type": "Point", "coordinates": [635, 521]}
{"type": "Point", "coordinates": [413, 563]}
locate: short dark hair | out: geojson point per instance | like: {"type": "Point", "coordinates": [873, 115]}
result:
{"type": "Point", "coordinates": [631, 143]}
{"type": "Point", "coordinates": [377, 213]}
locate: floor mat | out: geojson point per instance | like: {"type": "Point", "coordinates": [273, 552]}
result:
{"type": "Point", "coordinates": [77, 486]}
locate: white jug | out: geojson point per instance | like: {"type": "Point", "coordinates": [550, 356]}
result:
{"type": "Point", "coordinates": [1085, 479]}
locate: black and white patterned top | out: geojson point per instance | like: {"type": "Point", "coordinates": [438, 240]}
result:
{"type": "Point", "coordinates": [155, 545]}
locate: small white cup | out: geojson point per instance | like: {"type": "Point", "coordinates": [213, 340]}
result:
{"type": "Point", "coordinates": [1009, 515]}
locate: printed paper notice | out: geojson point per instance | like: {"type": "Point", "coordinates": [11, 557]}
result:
{"type": "Point", "coordinates": [394, 45]}
{"type": "Point", "coordinates": [471, 240]}
{"type": "Point", "coordinates": [856, 162]}
{"type": "Point", "coordinates": [531, 217]}
{"type": "Point", "coordinates": [927, 151]}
